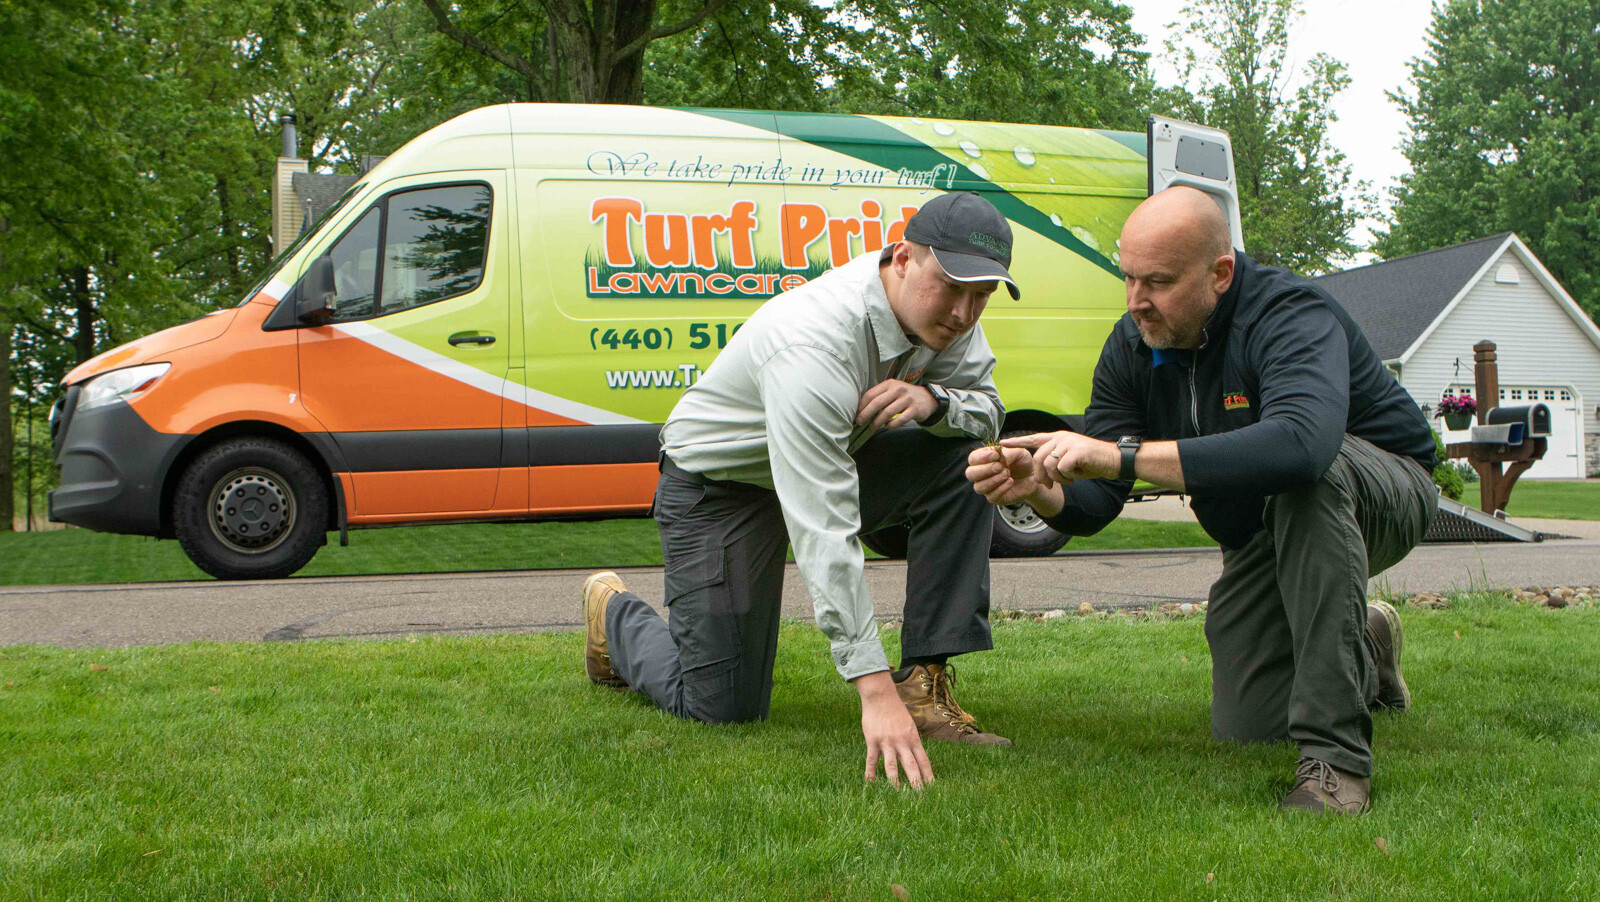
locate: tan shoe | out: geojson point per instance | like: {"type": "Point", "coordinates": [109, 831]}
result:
{"type": "Point", "coordinates": [926, 692]}
{"type": "Point", "coordinates": [1322, 788]}
{"type": "Point", "coordinates": [597, 592]}
{"type": "Point", "coordinates": [1383, 628]}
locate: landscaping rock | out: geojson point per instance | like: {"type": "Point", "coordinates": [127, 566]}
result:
{"type": "Point", "coordinates": [1086, 608]}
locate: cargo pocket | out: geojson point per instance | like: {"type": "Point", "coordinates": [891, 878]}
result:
{"type": "Point", "coordinates": [707, 632]}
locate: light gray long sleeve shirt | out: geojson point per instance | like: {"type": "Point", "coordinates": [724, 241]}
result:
{"type": "Point", "coordinates": [777, 409]}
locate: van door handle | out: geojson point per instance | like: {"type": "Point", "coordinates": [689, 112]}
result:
{"type": "Point", "coordinates": [471, 338]}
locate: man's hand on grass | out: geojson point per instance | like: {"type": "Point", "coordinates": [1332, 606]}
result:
{"type": "Point", "coordinates": [895, 403]}
{"type": "Point", "coordinates": [890, 733]}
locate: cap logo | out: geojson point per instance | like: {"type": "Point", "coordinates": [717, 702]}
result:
{"type": "Point", "coordinates": [988, 242]}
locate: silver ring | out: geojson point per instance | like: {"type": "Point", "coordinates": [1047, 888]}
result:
{"type": "Point", "coordinates": [1052, 454]}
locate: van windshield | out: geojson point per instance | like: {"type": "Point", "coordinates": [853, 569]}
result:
{"type": "Point", "coordinates": [299, 242]}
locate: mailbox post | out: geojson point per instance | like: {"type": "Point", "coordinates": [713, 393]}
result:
{"type": "Point", "coordinates": [1515, 436]}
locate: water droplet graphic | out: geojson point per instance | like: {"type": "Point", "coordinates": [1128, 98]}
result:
{"type": "Point", "coordinates": [1024, 155]}
{"type": "Point", "coordinates": [970, 149]}
{"type": "Point", "coordinates": [979, 171]}
{"type": "Point", "coordinates": [1082, 234]}
{"type": "Point", "coordinates": [1055, 218]}
{"type": "Point", "coordinates": [943, 129]}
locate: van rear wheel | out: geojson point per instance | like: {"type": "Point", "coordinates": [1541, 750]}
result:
{"type": "Point", "coordinates": [251, 508]}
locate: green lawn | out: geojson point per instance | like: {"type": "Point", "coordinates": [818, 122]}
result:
{"type": "Point", "coordinates": [489, 768]}
{"type": "Point", "coordinates": [1559, 500]}
{"type": "Point", "coordinates": [81, 556]}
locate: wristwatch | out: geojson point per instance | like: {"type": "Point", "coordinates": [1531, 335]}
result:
{"type": "Point", "coordinates": [1129, 446]}
{"type": "Point", "coordinates": [940, 398]}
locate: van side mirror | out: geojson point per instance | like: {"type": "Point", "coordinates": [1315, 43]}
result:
{"type": "Point", "coordinates": [316, 291]}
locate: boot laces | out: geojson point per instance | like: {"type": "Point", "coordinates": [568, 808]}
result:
{"type": "Point", "coordinates": [1320, 771]}
{"type": "Point", "coordinates": [945, 701]}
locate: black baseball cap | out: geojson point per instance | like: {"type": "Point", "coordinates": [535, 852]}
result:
{"type": "Point", "coordinates": [969, 237]}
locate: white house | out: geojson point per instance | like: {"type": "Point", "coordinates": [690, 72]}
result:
{"type": "Point", "coordinates": [1423, 314]}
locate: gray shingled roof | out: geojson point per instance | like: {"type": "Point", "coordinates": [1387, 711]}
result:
{"type": "Point", "coordinates": [319, 191]}
{"type": "Point", "coordinates": [1394, 301]}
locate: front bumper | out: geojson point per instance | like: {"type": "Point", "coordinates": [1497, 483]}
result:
{"type": "Point", "coordinates": [113, 466]}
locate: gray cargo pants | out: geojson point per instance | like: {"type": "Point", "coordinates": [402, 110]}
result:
{"type": "Point", "coordinates": [1287, 619]}
{"type": "Point", "coordinates": [724, 543]}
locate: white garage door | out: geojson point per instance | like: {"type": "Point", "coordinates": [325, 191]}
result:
{"type": "Point", "coordinates": [1564, 458]}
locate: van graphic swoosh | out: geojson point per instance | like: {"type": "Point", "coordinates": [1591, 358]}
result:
{"type": "Point", "coordinates": [476, 378]}
{"type": "Point", "coordinates": [873, 141]}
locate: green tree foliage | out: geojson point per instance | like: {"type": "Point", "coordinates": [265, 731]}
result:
{"type": "Point", "coordinates": [1504, 113]}
{"type": "Point", "coordinates": [144, 135]}
{"type": "Point", "coordinates": [1297, 197]}
{"type": "Point", "coordinates": [1056, 62]}
{"type": "Point", "coordinates": [581, 51]}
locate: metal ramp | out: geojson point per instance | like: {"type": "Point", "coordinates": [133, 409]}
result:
{"type": "Point", "coordinates": [1455, 522]}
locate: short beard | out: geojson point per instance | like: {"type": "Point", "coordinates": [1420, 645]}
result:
{"type": "Point", "coordinates": [1162, 344]}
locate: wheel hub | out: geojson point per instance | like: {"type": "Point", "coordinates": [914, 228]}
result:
{"type": "Point", "coordinates": [1022, 518]}
{"type": "Point", "coordinates": [252, 510]}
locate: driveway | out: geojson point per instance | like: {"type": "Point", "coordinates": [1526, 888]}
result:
{"type": "Point", "coordinates": [379, 606]}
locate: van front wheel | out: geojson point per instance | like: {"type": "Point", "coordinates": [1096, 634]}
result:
{"type": "Point", "coordinates": [251, 508]}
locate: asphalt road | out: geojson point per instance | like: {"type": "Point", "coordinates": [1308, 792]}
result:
{"type": "Point", "coordinates": [382, 606]}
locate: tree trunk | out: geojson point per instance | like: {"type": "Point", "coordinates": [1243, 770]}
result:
{"type": "Point", "coordinates": [7, 440]}
{"type": "Point", "coordinates": [83, 303]}
{"type": "Point", "coordinates": [625, 81]}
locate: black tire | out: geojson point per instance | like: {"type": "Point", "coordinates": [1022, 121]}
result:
{"type": "Point", "coordinates": [277, 523]}
{"type": "Point", "coordinates": [1018, 531]}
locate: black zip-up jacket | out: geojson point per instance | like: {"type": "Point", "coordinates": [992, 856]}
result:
{"type": "Point", "coordinates": [1261, 407]}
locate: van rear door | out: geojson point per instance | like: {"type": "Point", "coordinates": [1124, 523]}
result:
{"type": "Point", "coordinates": [1182, 153]}
{"type": "Point", "coordinates": [409, 375]}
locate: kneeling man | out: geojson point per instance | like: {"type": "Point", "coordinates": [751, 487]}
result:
{"type": "Point", "coordinates": [1251, 389]}
{"type": "Point", "coordinates": [783, 440]}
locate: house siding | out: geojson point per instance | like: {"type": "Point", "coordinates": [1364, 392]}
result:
{"type": "Point", "coordinates": [1537, 344]}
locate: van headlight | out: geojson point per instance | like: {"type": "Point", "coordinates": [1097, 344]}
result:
{"type": "Point", "coordinates": [120, 385]}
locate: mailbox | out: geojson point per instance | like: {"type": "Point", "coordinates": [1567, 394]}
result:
{"type": "Point", "coordinates": [1499, 434]}
{"type": "Point", "coordinates": [1534, 418]}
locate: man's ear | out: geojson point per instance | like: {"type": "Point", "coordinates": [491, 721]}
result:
{"type": "Point", "coordinates": [1222, 273]}
{"type": "Point", "coordinates": [900, 259]}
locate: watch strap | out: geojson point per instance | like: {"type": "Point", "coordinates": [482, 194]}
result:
{"type": "Point", "coordinates": [942, 399]}
{"type": "Point", "coordinates": [1129, 446]}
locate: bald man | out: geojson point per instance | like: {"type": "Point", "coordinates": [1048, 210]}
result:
{"type": "Point", "coordinates": [1250, 389]}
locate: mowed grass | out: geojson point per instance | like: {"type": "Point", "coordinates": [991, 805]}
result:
{"type": "Point", "coordinates": [489, 768]}
{"type": "Point", "coordinates": [80, 556]}
{"type": "Point", "coordinates": [1558, 499]}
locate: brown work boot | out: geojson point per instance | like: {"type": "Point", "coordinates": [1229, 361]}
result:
{"type": "Point", "coordinates": [926, 692]}
{"type": "Point", "coordinates": [1383, 628]}
{"type": "Point", "coordinates": [1323, 788]}
{"type": "Point", "coordinates": [597, 592]}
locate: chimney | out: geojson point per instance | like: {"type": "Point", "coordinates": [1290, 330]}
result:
{"type": "Point", "coordinates": [288, 214]}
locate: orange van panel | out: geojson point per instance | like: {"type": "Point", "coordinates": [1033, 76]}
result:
{"type": "Point", "coordinates": [459, 493]}
{"type": "Point", "coordinates": [243, 374]}
{"type": "Point", "coordinates": [592, 487]}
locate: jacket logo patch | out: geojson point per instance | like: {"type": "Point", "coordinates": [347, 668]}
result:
{"type": "Point", "coordinates": [914, 377]}
{"type": "Point", "coordinates": [1235, 401]}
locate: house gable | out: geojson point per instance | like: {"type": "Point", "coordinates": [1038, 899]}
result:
{"type": "Point", "coordinates": [1541, 337]}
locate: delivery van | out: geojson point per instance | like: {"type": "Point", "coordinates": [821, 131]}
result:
{"type": "Point", "coordinates": [493, 323]}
